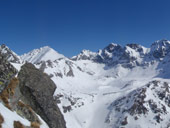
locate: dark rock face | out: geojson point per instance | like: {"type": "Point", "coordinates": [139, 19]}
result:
{"type": "Point", "coordinates": [10, 92]}
{"type": "Point", "coordinates": [109, 53]}
{"type": "Point", "coordinates": [127, 56]}
{"type": "Point", "coordinates": [38, 89]}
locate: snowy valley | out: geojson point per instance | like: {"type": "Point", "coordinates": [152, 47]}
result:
{"type": "Point", "coordinates": [116, 87]}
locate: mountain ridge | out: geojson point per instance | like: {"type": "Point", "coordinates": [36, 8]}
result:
{"type": "Point", "coordinates": [36, 55]}
{"type": "Point", "coordinates": [92, 83]}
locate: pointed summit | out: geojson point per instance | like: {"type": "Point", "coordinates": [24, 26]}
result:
{"type": "Point", "coordinates": [85, 55]}
{"type": "Point", "coordinates": [160, 43]}
{"type": "Point", "coordinates": [134, 46]}
{"type": "Point", "coordinates": [111, 47]}
{"type": "Point", "coordinates": [43, 54]}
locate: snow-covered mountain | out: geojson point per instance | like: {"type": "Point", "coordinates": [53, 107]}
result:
{"type": "Point", "coordinates": [85, 55]}
{"type": "Point", "coordinates": [118, 86]}
{"type": "Point", "coordinates": [42, 54]}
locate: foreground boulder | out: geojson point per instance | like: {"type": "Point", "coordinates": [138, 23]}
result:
{"type": "Point", "coordinates": [37, 89]}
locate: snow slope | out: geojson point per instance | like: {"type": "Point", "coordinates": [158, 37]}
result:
{"type": "Point", "coordinates": [90, 85]}
{"type": "Point", "coordinates": [90, 94]}
{"type": "Point", "coordinates": [11, 116]}
{"type": "Point", "coordinates": [42, 54]}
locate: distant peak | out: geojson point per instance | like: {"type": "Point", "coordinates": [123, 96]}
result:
{"type": "Point", "coordinates": [45, 47]}
{"type": "Point", "coordinates": [84, 55]}
{"type": "Point", "coordinates": [42, 54]}
{"type": "Point", "coordinates": [160, 48]}
{"type": "Point", "coordinates": [161, 42]}
{"type": "Point", "coordinates": [111, 47]}
{"type": "Point", "coordinates": [133, 45]}
{"type": "Point", "coordinates": [3, 46]}
{"type": "Point", "coordinates": [84, 51]}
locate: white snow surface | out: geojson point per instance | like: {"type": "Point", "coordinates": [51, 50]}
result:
{"type": "Point", "coordinates": [90, 88]}
{"type": "Point", "coordinates": [11, 116]}
{"type": "Point", "coordinates": [94, 88]}
{"type": "Point", "coordinates": [42, 54]}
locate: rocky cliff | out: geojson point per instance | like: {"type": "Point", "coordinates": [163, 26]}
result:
{"type": "Point", "coordinates": [37, 89]}
{"type": "Point", "coordinates": [27, 101]}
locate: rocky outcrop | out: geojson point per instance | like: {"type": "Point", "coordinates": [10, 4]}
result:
{"type": "Point", "coordinates": [85, 55]}
{"type": "Point", "coordinates": [9, 54]}
{"type": "Point", "coordinates": [159, 49]}
{"type": "Point", "coordinates": [7, 71]}
{"type": "Point", "coordinates": [151, 101]}
{"type": "Point", "coordinates": [38, 89]}
{"type": "Point", "coordinates": [10, 95]}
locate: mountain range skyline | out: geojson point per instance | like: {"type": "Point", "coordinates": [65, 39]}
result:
{"type": "Point", "coordinates": [84, 64]}
{"type": "Point", "coordinates": [119, 86]}
{"type": "Point", "coordinates": [72, 25]}
{"type": "Point", "coordinates": [81, 50]}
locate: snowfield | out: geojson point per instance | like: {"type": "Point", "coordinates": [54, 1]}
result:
{"type": "Point", "coordinates": [116, 87]}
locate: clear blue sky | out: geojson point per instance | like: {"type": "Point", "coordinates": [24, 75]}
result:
{"type": "Point", "coordinates": [72, 25]}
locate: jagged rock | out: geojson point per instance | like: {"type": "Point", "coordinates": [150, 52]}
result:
{"type": "Point", "coordinates": [7, 71]}
{"type": "Point", "coordinates": [85, 55]}
{"type": "Point", "coordinates": [9, 55]}
{"type": "Point", "coordinates": [59, 75]}
{"type": "Point", "coordinates": [138, 104]}
{"type": "Point", "coordinates": [38, 89]}
{"type": "Point", "coordinates": [67, 108]}
{"type": "Point", "coordinates": [70, 72]}
{"type": "Point", "coordinates": [160, 49]}
{"type": "Point", "coordinates": [10, 92]}
{"type": "Point", "coordinates": [124, 122]}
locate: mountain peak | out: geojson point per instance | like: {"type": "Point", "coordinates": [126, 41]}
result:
{"type": "Point", "coordinates": [84, 55]}
{"type": "Point", "coordinates": [84, 51]}
{"type": "Point", "coordinates": [163, 40]}
{"type": "Point", "coordinates": [112, 46]}
{"type": "Point", "coordinates": [42, 54]}
{"type": "Point", "coordinates": [160, 43]}
{"type": "Point", "coordinates": [133, 45]}
{"type": "Point", "coordinates": [45, 47]}
{"type": "Point", "coordinates": [160, 48]}
{"type": "Point", "coordinates": [3, 46]}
